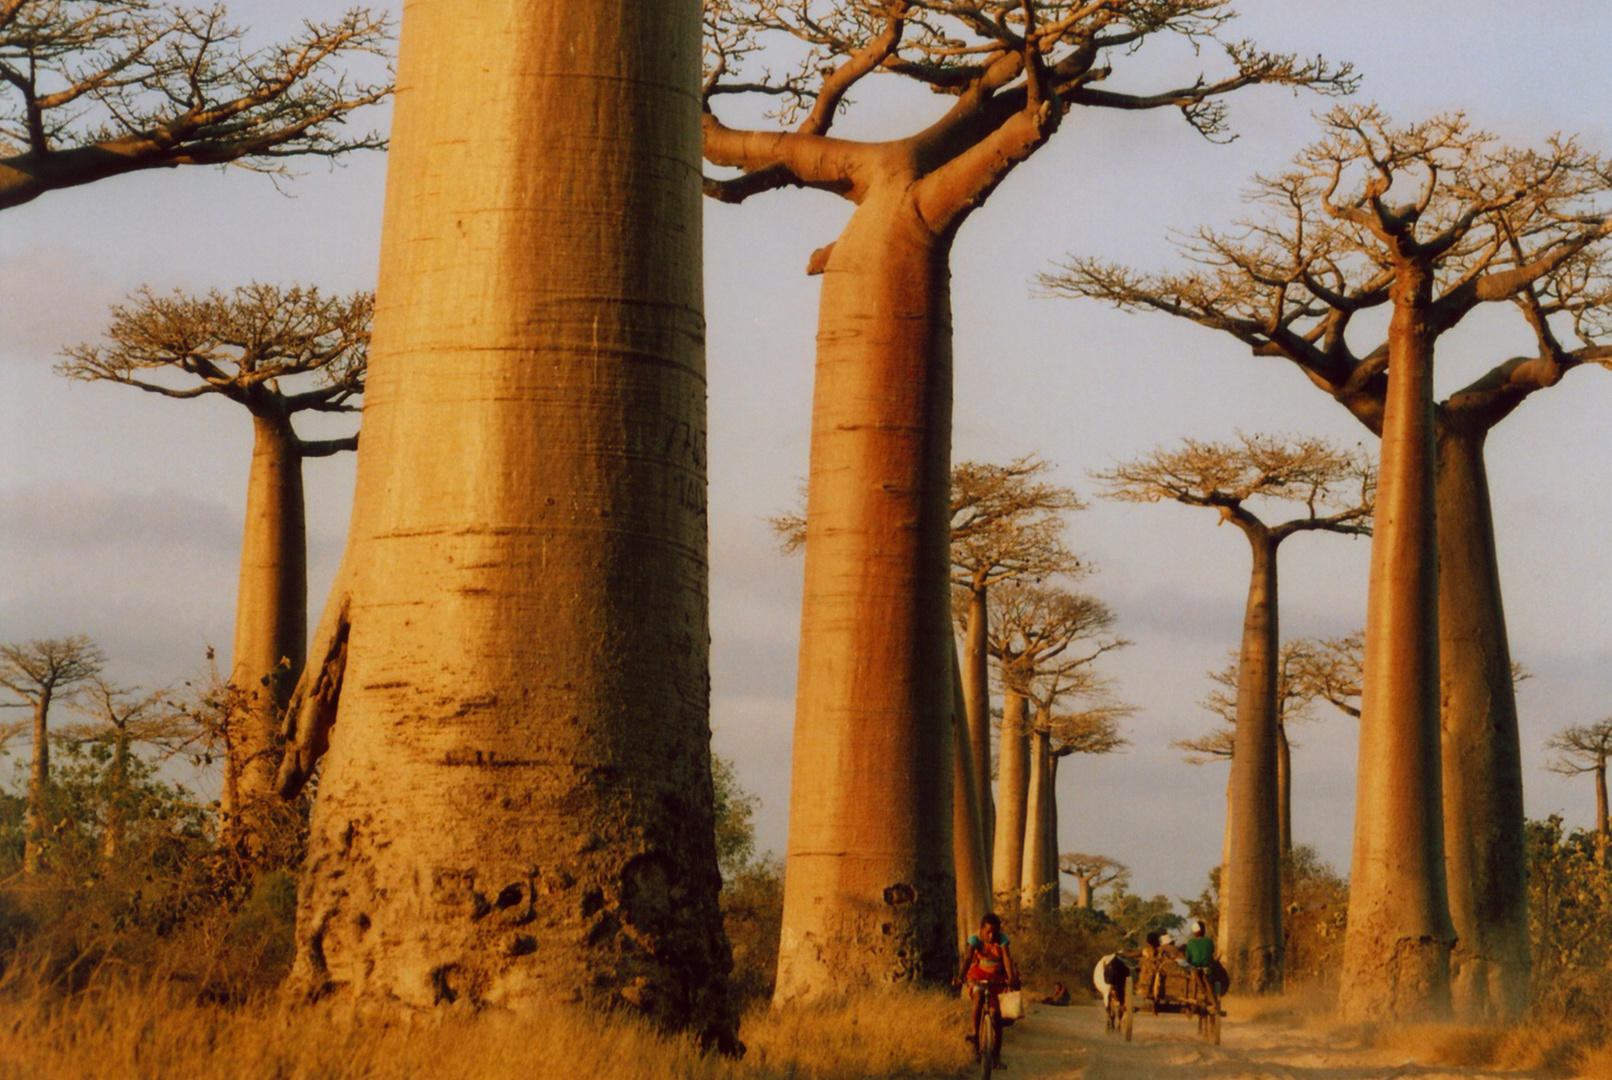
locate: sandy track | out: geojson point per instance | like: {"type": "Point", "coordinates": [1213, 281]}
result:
{"type": "Point", "coordinates": [1070, 1044]}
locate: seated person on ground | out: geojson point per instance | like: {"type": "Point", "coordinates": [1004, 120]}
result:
{"type": "Point", "coordinates": [1059, 995]}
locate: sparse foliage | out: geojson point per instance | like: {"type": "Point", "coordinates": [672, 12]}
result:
{"type": "Point", "coordinates": [1090, 873]}
{"type": "Point", "coordinates": [91, 89]}
{"type": "Point", "coordinates": [1586, 748]}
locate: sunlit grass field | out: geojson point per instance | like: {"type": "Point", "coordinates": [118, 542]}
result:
{"type": "Point", "coordinates": [138, 1032]}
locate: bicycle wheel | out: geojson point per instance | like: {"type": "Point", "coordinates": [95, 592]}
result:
{"type": "Point", "coordinates": [987, 1041]}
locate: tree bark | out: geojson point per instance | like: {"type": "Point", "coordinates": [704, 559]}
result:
{"type": "Point", "coordinates": [1033, 871]}
{"type": "Point", "coordinates": [516, 808]}
{"type": "Point", "coordinates": [1253, 901]}
{"type": "Point", "coordinates": [1397, 949]}
{"type": "Point", "coordinates": [968, 840]}
{"type": "Point", "coordinates": [1012, 795]}
{"type": "Point", "coordinates": [1485, 843]}
{"type": "Point", "coordinates": [1223, 923]}
{"type": "Point", "coordinates": [1284, 788]}
{"type": "Point", "coordinates": [1603, 831]}
{"type": "Point", "coordinates": [869, 890]}
{"type": "Point", "coordinates": [977, 689]}
{"type": "Point", "coordinates": [1051, 879]}
{"type": "Point", "coordinates": [38, 826]}
{"type": "Point", "coordinates": [271, 622]}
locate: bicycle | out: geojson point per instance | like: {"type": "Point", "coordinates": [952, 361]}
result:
{"type": "Point", "coordinates": [988, 1033]}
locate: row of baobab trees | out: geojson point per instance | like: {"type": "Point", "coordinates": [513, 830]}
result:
{"type": "Point", "coordinates": [507, 692]}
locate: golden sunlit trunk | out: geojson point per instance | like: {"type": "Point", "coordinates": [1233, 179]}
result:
{"type": "Point", "coordinates": [1012, 795]}
{"type": "Point", "coordinates": [516, 805]}
{"type": "Point", "coordinates": [968, 841]}
{"type": "Point", "coordinates": [1284, 787]}
{"type": "Point", "coordinates": [1253, 897]}
{"type": "Point", "coordinates": [1485, 845]}
{"type": "Point", "coordinates": [869, 889]}
{"type": "Point", "coordinates": [271, 624]}
{"type": "Point", "coordinates": [1397, 950]}
{"type": "Point", "coordinates": [977, 690]}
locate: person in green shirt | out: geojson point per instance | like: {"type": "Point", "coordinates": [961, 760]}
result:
{"type": "Point", "coordinates": [1200, 948]}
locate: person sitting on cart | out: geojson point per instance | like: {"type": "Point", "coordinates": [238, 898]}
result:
{"type": "Point", "coordinates": [1200, 947]}
{"type": "Point", "coordinates": [988, 961]}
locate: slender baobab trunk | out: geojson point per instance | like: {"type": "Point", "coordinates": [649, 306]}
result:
{"type": "Point", "coordinates": [1033, 868]}
{"type": "Point", "coordinates": [1012, 795]}
{"type": "Point", "coordinates": [38, 825]}
{"type": "Point", "coordinates": [1397, 951]}
{"type": "Point", "coordinates": [1052, 883]}
{"type": "Point", "coordinates": [869, 891]}
{"type": "Point", "coordinates": [115, 827]}
{"type": "Point", "coordinates": [1603, 830]}
{"type": "Point", "coordinates": [1284, 788]}
{"type": "Point", "coordinates": [1485, 846]}
{"type": "Point", "coordinates": [516, 808]}
{"type": "Point", "coordinates": [271, 622]}
{"type": "Point", "coordinates": [968, 841]}
{"type": "Point", "coordinates": [977, 689]}
{"type": "Point", "coordinates": [1253, 901]}
{"type": "Point", "coordinates": [1223, 923]}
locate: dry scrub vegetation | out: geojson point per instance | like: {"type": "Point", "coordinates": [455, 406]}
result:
{"type": "Point", "coordinates": [136, 1031]}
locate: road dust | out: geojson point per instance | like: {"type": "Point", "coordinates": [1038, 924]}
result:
{"type": "Point", "coordinates": [1070, 1044]}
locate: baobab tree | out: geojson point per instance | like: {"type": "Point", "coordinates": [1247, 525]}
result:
{"type": "Point", "coordinates": [42, 673]}
{"type": "Point", "coordinates": [881, 416]}
{"type": "Point", "coordinates": [91, 89]}
{"type": "Point", "coordinates": [1093, 730]}
{"type": "Point", "coordinates": [1233, 479]}
{"type": "Point", "coordinates": [1007, 524]}
{"type": "Point", "coordinates": [1586, 748]}
{"type": "Point", "coordinates": [277, 353]}
{"type": "Point", "coordinates": [510, 683]}
{"type": "Point", "coordinates": [1090, 873]}
{"type": "Point", "coordinates": [122, 719]}
{"type": "Point", "coordinates": [1429, 221]}
{"type": "Point", "coordinates": [1038, 634]}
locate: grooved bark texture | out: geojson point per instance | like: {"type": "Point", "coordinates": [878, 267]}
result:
{"type": "Point", "coordinates": [271, 618]}
{"type": "Point", "coordinates": [1396, 953]}
{"type": "Point", "coordinates": [1485, 844]}
{"type": "Point", "coordinates": [515, 808]}
{"type": "Point", "coordinates": [869, 892]}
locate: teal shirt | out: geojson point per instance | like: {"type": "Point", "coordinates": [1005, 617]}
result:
{"type": "Point", "coordinates": [1200, 950]}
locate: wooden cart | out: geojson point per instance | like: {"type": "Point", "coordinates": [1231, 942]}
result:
{"type": "Point", "coordinates": [1166, 986]}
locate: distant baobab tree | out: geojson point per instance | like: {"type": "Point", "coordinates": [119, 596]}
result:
{"type": "Point", "coordinates": [91, 90]}
{"type": "Point", "coordinates": [1054, 737]}
{"type": "Point", "coordinates": [1009, 72]}
{"type": "Point", "coordinates": [277, 353]}
{"type": "Point", "coordinates": [1428, 221]}
{"type": "Point", "coordinates": [1586, 748]}
{"type": "Point", "coordinates": [1090, 873]}
{"type": "Point", "coordinates": [43, 673]}
{"type": "Point", "coordinates": [511, 676]}
{"type": "Point", "coordinates": [1235, 479]}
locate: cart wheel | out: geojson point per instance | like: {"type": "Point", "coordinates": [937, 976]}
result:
{"type": "Point", "coordinates": [1214, 1026]}
{"type": "Point", "coordinates": [1130, 1008]}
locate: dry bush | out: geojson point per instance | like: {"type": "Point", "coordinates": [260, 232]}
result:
{"type": "Point", "coordinates": [133, 1031]}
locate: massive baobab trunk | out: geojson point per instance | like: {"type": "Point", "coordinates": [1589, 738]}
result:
{"type": "Point", "coordinates": [977, 692]}
{"type": "Point", "coordinates": [1012, 795]}
{"type": "Point", "coordinates": [1253, 897]}
{"type": "Point", "coordinates": [869, 893]}
{"type": "Point", "coordinates": [516, 808]}
{"type": "Point", "coordinates": [1485, 844]}
{"type": "Point", "coordinates": [1033, 871]}
{"type": "Point", "coordinates": [271, 619]}
{"type": "Point", "coordinates": [1284, 789]}
{"type": "Point", "coordinates": [1397, 950]}
{"type": "Point", "coordinates": [968, 839]}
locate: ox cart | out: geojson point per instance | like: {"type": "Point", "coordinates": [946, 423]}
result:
{"type": "Point", "coordinates": [1163, 985]}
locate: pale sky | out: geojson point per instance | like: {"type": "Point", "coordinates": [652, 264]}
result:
{"type": "Point", "coordinates": [120, 512]}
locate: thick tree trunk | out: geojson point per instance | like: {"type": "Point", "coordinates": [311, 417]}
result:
{"type": "Point", "coordinates": [869, 891]}
{"type": "Point", "coordinates": [516, 806]}
{"type": "Point", "coordinates": [1223, 923]}
{"type": "Point", "coordinates": [1051, 832]}
{"type": "Point", "coordinates": [1012, 796]}
{"type": "Point", "coordinates": [1284, 788]}
{"type": "Point", "coordinates": [1253, 945]}
{"type": "Point", "coordinates": [968, 840]}
{"type": "Point", "coordinates": [1033, 868]}
{"type": "Point", "coordinates": [977, 689]}
{"type": "Point", "coordinates": [1485, 845]}
{"type": "Point", "coordinates": [271, 623]}
{"type": "Point", "coordinates": [38, 824]}
{"type": "Point", "coordinates": [1396, 954]}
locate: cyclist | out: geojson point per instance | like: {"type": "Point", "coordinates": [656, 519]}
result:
{"type": "Point", "coordinates": [988, 962]}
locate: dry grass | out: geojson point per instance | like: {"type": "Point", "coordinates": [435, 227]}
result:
{"type": "Point", "coordinates": [138, 1033]}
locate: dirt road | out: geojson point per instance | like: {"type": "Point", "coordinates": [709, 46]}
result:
{"type": "Point", "coordinates": [1070, 1044]}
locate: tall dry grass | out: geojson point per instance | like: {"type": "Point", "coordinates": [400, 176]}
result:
{"type": "Point", "coordinates": [141, 1032]}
